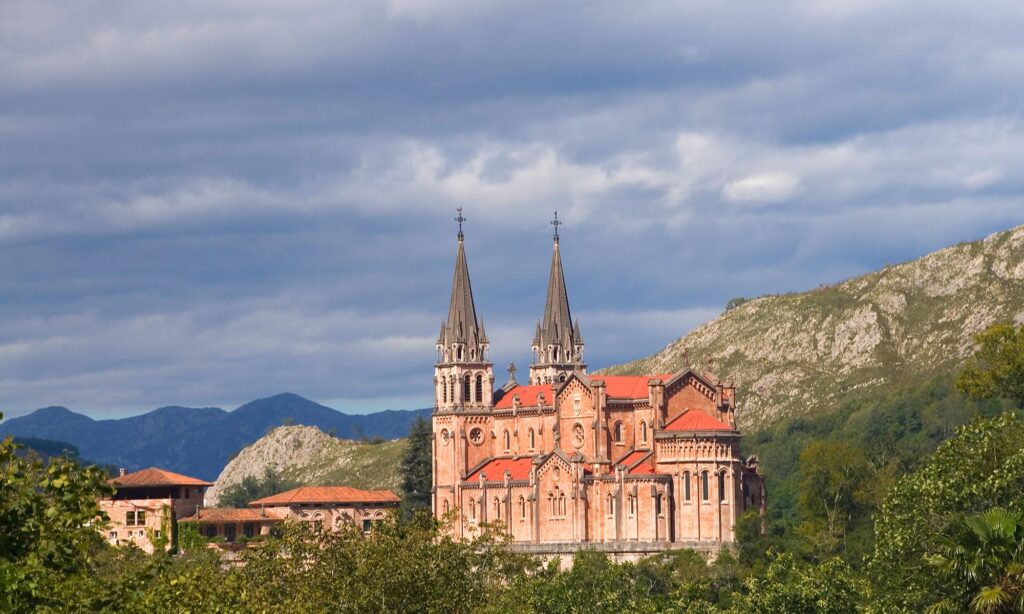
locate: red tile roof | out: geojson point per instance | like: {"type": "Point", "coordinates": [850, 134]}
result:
{"type": "Point", "coordinates": [327, 494]}
{"type": "Point", "coordinates": [527, 396]}
{"type": "Point", "coordinates": [644, 468]}
{"type": "Point", "coordinates": [155, 477]}
{"type": "Point", "coordinates": [234, 514]}
{"type": "Point", "coordinates": [628, 386]}
{"type": "Point", "coordinates": [519, 468]}
{"type": "Point", "coordinates": [696, 420]}
{"type": "Point", "coordinates": [632, 457]}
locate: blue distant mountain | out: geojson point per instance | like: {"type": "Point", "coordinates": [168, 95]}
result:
{"type": "Point", "coordinates": [198, 441]}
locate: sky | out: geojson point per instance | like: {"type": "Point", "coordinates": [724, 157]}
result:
{"type": "Point", "coordinates": [210, 201]}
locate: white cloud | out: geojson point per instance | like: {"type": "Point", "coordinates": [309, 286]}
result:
{"type": "Point", "coordinates": [761, 188]}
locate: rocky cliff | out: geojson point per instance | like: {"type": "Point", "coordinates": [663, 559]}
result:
{"type": "Point", "coordinates": [805, 352]}
{"type": "Point", "coordinates": [311, 457]}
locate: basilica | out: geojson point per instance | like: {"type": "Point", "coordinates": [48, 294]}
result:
{"type": "Point", "coordinates": [625, 464]}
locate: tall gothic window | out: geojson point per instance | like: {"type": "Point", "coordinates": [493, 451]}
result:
{"type": "Point", "coordinates": [721, 486]}
{"type": "Point", "coordinates": [451, 389]}
{"type": "Point", "coordinates": [657, 505]}
{"type": "Point", "coordinates": [533, 439]}
{"type": "Point", "coordinates": [472, 509]}
{"type": "Point", "coordinates": [618, 432]}
{"type": "Point", "coordinates": [522, 507]}
{"type": "Point", "coordinates": [561, 505]}
{"type": "Point", "coordinates": [497, 509]}
{"type": "Point", "coordinates": [446, 506]}
{"type": "Point", "coordinates": [466, 388]}
{"type": "Point", "coordinates": [611, 505]}
{"type": "Point", "coordinates": [704, 486]}
{"type": "Point", "coordinates": [444, 389]}
{"type": "Point", "coordinates": [632, 504]}
{"type": "Point", "coordinates": [479, 388]}
{"type": "Point", "coordinates": [551, 505]}
{"type": "Point", "coordinates": [686, 486]}
{"type": "Point", "coordinates": [643, 432]}
{"type": "Point", "coordinates": [508, 441]}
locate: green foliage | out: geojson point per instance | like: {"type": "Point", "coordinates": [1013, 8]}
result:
{"type": "Point", "coordinates": [45, 513]}
{"type": "Point", "coordinates": [252, 488]}
{"type": "Point", "coordinates": [983, 560]}
{"type": "Point", "coordinates": [975, 471]}
{"type": "Point", "coordinates": [997, 367]}
{"type": "Point", "coordinates": [735, 302]}
{"type": "Point", "coordinates": [417, 474]}
{"type": "Point", "coordinates": [795, 588]}
{"type": "Point", "coordinates": [833, 492]}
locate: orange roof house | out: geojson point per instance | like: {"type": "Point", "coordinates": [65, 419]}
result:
{"type": "Point", "coordinates": [331, 507]}
{"type": "Point", "coordinates": [144, 503]}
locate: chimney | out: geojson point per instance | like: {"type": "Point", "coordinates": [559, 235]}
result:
{"type": "Point", "coordinates": [198, 507]}
{"type": "Point", "coordinates": [122, 471]}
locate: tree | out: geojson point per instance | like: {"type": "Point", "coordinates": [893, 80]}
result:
{"type": "Point", "coordinates": [417, 472]}
{"type": "Point", "coordinates": [832, 480]}
{"type": "Point", "coordinates": [46, 518]}
{"type": "Point", "coordinates": [796, 588]}
{"type": "Point", "coordinates": [984, 558]}
{"type": "Point", "coordinates": [997, 367]}
{"type": "Point", "coordinates": [975, 471]}
{"type": "Point", "coordinates": [252, 488]}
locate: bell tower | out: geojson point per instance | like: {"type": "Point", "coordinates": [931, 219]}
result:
{"type": "Point", "coordinates": [557, 344]}
{"type": "Point", "coordinates": [463, 374]}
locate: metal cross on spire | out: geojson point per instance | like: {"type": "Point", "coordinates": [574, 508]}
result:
{"type": "Point", "coordinates": [556, 224]}
{"type": "Point", "coordinates": [460, 219]}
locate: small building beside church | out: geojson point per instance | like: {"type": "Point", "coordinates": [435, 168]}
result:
{"type": "Point", "coordinates": [141, 508]}
{"type": "Point", "coordinates": [627, 464]}
{"type": "Point", "coordinates": [331, 507]}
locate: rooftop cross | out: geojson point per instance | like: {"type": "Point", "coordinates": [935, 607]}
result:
{"type": "Point", "coordinates": [460, 219]}
{"type": "Point", "coordinates": [556, 224]}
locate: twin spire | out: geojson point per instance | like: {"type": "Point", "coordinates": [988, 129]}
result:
{"type": "Point", "coordinates": [557, 343]}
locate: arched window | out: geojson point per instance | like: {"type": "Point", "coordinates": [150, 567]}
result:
{"type": "Point", "coordinates": [444, 389]}
{"type": "Point", "coordinates": [658, 508]}
{"type": "Point", "coordinates": [472, 509]}
{"type": "Point", "coordinates": [643, 432]}
{"type": "Point", "coordinates": [554, 354]}
{"type": "Point", "coordinates": [458, 353]}
{"type": "Point", "coordinates": [704, 486]}
{"type": "Point", "coordinates": [466, 388]}
{"type": "Point", "coordinates": [686, 486]}
{"type": "Point", "coordinates": [479, 388]}
{"type": "Point", "coordinates": [611, 505]}
{"type": "Point", "coordinates": [551, 505]}
{"type": "Point", "coordinates": [618, 432]}
{"type": "Point", "coordinates": [446, 506]}
{"type": "Point", "coordinates": [522, 507]}
{"type": "Point", "coordinates": [721, 486]}
{"type": "Point", "coordinates": [508, 440]}
{"type": "Point", "coordinates": [631, 500]}
{"type": "Point", "coordinates": [497, 509]}
{"type": "Point", "coordinates": [451, 389]}
{"type": "Point", "coordinates": [561, 505]}
{"type": "Point", "coordinates": [533, 439]}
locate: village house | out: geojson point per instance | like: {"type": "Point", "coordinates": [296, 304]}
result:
{"type": "Point", "coordinates": [330, 507]}
{"type": "Point", "coordinates": [141, 508]}
{"type": "Point", "coordinates": [232, 523]}
{"type": "Point", "coordinates": [626, 464]}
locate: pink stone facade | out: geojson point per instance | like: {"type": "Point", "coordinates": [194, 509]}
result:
{"type": "Point", "coordinates": [631, 463]}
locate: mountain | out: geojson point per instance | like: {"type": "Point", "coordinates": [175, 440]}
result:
{"type": "Point", "coordinates": [197, 441]}
{"type": "Point", "coordinates": [308, 456]}
{"type": "Point", "coordinates": [808, 352]}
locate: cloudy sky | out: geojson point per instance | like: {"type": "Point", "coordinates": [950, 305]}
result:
{"type": "Point", "coordinates": [208, 201]}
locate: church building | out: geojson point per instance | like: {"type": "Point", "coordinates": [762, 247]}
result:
{"type": "Point", "coordinates": [625, 464]}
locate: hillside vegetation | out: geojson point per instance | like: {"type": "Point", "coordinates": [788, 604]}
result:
{"type": "Point", "coordinates": [307, 456]}
{"type": "Point", "coordinates": [806, 353]}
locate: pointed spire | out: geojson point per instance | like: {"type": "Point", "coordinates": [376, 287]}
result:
{"type": "Point", "coordinates": [557, 323]}
{"type": "Point", "coordinates": [462, 326]}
